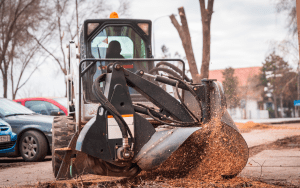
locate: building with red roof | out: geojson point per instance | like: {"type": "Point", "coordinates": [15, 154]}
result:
{"type": "Point", "coordinates": [248, 92]}
{"type": "Point", "coordinates": [243, 74]}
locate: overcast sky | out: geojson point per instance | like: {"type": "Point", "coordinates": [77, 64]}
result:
{"type": "Point", "coordinates": [241, 31]}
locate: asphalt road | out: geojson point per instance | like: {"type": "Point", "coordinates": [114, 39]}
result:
{"type": "Point", "coordinates": [267, 162]}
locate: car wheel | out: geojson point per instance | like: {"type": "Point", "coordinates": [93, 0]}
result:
{"type": "Point", "coordinates": [33, 146]}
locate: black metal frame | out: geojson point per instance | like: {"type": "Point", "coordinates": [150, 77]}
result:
{"type": "Point", "coordinates": [116, 22]}
{"type": "Point", "coordinates": [94, 60]}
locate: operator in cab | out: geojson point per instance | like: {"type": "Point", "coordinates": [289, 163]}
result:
{"type": "Point", "coordinates": [114, 50]}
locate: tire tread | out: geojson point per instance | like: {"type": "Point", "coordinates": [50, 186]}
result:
{"type": "Point", "coordinates": [63, 129]}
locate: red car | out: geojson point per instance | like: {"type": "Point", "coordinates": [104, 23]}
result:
{"type": "Point", "coordinates": [45, 106]}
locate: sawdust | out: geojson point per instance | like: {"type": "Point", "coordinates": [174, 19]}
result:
{"type": "Point", "coordinates": [225, 156]}
{"type": "Point", "coordinates": [250, 125]}
{"type": "Point", "coordinates": [214, 152]}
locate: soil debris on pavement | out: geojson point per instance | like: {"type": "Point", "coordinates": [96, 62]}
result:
{"type": "Point", "coordinates": [250, 125]}
{"type": "Point", "coordinates": [166, 178]}
{"type": "Point", "coordinates": [10, 162]}
{"type": "Point", "coordinates": [197, 175]}
{"type": "Point", "coordinates": [285, 143]}
{"type": "Point", "coordinates": [210, 157]}
{"type": "Point", "coordinates": [155, 179]}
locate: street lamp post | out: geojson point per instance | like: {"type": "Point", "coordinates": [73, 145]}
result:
{"type": "Point", "coordinates": [154, 32]}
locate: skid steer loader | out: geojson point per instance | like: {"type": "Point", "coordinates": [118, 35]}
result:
{"type": "Point", "coordinates": [130, 112]}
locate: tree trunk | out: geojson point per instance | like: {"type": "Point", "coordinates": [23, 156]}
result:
{"type": "Point", "coordinates": [275, 105]}
{"type": "Point", "coordinates": [281, 106]}
{"type": "Point", "coordinates": [12, 79]}
{"type": "Point", "coordinates": [184, 33]}
{"type": "Point", "coordinates": [206, 20]}
{"type": "Point", "coordinates": [77, 24]}
{"type": "Point", "coordinates": [4, 85]}
{"type": "Point", "coordinates": [206, 52]}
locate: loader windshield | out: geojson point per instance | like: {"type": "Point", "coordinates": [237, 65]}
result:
{"type": "Point", "coordinates": [130, 43]}
{"type": "Point", "coordinates": [115, 42]}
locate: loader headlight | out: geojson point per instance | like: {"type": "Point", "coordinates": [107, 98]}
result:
{"type": "Point", "coordinates": [91, 27]}
{"type": "Point", "coordinates": [144, 27]}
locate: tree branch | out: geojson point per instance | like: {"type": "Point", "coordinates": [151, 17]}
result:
{"type": "Point", "coordinates": [175, 22]}
{"type": "Point", "coordinates": [210, 6]}
{"type": "Point", "coordinates": [58, 62]}
{"type": "Point", "coordinates": [185, 37]}
{"type": "Point", "coordinates": [202, 10]}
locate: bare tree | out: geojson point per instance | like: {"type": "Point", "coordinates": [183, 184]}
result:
{"type": "Point", "coordinates": [289, 7]}
{"type": "Point", "coordinates": [18, 18]}
{"type": "Point", "coordinates": [23, 67]}
{"type": "Point", "coordinates": [68, 15]}
{"type": "Point", "coordinates": [184, 33]}
{"type": "Point", "coordinates": [183, 30]}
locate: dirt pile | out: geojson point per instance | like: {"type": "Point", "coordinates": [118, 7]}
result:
{"type": "Point", "coordinates": [250, 125]}
{"type": "Point", "coordinates": [285, 143]}
{"type": "Point", "coordinates": [214, 152]}
{"type": "Point", "coordinates": [225, 156]}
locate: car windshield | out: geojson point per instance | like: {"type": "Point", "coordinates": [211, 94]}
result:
{"type": "Point", "coordinates": [62, 101]}
{"type": "Point", "coordinates": [10, 108]}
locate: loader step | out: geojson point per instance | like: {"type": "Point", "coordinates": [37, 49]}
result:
{"type": "Point", "coordinates": [63, 149]}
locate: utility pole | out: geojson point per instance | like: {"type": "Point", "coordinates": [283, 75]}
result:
{"type": "Point", "coordinates": [298, 89]}
{"type": "Point", "coordinates": [153, 31]}
{"type": "Point", "coordinates": [298, 28]}
{"type": "Point", "coordinates": [77, 25]}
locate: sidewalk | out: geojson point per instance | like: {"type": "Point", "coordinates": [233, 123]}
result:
{"type": "Point", "coordinates": [274, 165]}
{"type": "Point", "coordinates": [259, 137]}
{"type": "Point", "coordinates": [270, 121]}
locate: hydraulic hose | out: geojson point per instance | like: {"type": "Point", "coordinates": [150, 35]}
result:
{"type": "Point", "coordinates": [174, 68]}
{"type": "Point", "coordinates": [174, 123]}
{"type": "Point", "coordinates": [109, 107]}
{"type": "Point", "coordinates": [169, 71]}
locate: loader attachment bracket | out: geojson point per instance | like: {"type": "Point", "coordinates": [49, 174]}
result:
{"type": "Point", "coordinates": [102, 137]}
{"type": "Point", "coordinates": [64, 171]}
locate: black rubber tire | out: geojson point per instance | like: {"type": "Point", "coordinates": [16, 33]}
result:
{"type": "Point", "coordinates": [63, 129]}
{"type": "Point", "coordinates": [33, 146]}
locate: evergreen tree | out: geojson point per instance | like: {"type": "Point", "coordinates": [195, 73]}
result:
{"type": "Point", "coordinates": [230, 85]}
{"type": "Point", "coordinates": [276, 73]}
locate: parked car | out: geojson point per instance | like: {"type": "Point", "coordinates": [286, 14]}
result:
{"type": "Point", "coordinates": [7, 139]}
{"type": "Point", "coordinates": [34, 131]}
{"type": "Point", "coordinates": [46, 106]}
